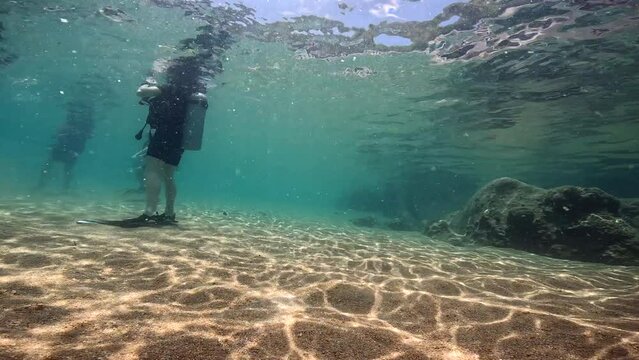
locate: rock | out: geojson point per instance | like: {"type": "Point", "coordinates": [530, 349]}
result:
{"type": "Point", "coordinates": [400, 224]}
{"type": "Point", "coordinates": [367, 221]}
{"type": "Point", "coordinates": [438, 228]}
{"type": "Point", "coordinates": [441, 230]}
{"type": "Point", "coordinates": [567, 222]}
{"type": "Point", "coordinates": [630, 211]}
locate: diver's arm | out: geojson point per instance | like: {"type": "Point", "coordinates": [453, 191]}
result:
{"type": "Point", "coordinates": [148, 91]}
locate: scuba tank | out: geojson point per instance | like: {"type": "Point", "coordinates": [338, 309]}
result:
{"type": "Point", "coordinates": [194, 122]}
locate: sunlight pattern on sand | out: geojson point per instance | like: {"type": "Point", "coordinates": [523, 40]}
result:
{"type": "Point", "coordinates": [247, 285]}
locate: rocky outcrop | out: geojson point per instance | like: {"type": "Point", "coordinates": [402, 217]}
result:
{"type": "Point", "coordinates": [366, 221]}
{"type": "Point", "coordinates": [397, 223]}
{"type": "Point", "coordinates": [567, 222]}
{"type": "Point", "coordinates": [401, 224]}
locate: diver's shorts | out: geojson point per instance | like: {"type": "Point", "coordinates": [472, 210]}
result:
{"type": "Point", "coordinates": [63, 155]}
{"type": "Point", "coordinates": [164, 151]}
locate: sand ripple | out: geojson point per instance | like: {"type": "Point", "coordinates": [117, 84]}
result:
{"type": "Point", "coordinates": [247, 285]}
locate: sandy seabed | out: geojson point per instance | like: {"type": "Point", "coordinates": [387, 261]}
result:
{"type": "Point", "coordinates": [245, 285]}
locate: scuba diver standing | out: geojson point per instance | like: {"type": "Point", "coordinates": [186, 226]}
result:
{"type": "Point", "coordinates": [176, 118]}
{"type": "Point", "coordinates": [70, 141]}
{"type": "Point", "coordinates": [177, 110]}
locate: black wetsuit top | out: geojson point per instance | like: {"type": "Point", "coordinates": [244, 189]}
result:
{"type": "Point", "coordinates": [167, 113]}
{"type": "Point", "coordinates": [71, 139]}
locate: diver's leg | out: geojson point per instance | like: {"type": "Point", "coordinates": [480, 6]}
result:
{"type": "Point", "coordinates": [170, 189]}
{"type": "Point", "coordinates": [68, 174]}
{"type": "Point", "coordinates": [45, 174]}
{"type": "Point", "coordinates": [139, 176]}
{"type": "Point", "coordinates": [152, 184]}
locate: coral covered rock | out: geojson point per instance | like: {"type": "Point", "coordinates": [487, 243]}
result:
{"type": "Point", "coordinates": [568, 222]}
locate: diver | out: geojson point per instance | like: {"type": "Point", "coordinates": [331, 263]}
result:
{"type": "Point", "coordinates": [70, 142]}
{"type": "Point", "coordinates": [169, 109]}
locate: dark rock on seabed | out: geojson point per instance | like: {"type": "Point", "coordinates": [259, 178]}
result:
{"type": "Point", "coordinates": [402, 223]}
{"type": "Point", "coordinates": [567, 222]}
{"type": "Point", "coordinates": [366, 221]}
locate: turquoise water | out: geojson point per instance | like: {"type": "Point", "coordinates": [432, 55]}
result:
{"type": "Point", "coordinates": [288, 131]}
